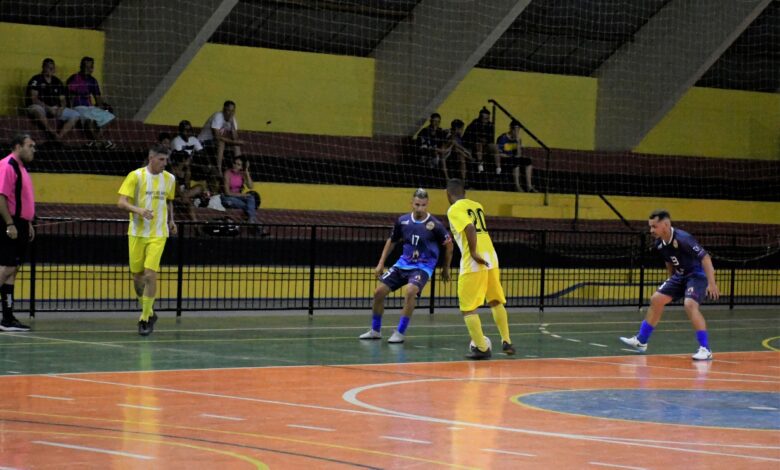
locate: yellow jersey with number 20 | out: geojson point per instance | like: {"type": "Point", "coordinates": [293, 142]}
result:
{"type": "Point", "coordinates": [460, 215]}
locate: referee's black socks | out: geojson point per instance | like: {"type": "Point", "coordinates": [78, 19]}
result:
{"type": "Point", "coordinates": [7, 298]}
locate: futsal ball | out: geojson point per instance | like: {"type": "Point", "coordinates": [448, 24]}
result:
{"type": "Point", "coordinates": [487, 340]}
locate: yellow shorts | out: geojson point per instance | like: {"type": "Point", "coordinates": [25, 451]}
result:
{"type": "Point", "coordinates": [475, 288]}
{"type": "Point", "coordinates": [145, 253]}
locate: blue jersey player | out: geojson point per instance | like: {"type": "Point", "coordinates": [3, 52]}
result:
{"type": "Point", "coordinates": [422, 234]}
{"type": "Point", "coordinates": [691, 276]}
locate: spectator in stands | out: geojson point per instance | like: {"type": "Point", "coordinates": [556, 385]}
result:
{"type": "Point", "coordinates": [220, 132]}
{"type": "Point", "coordinates": [430, 141]}
{"type": "Point", "coordinates": [164, 139]}
{"type": "Point", "coordinates": [46, 98]}
{"type": "Point", "coordinates": [454, 146]}
{"type": "Point", "coordinates": [186, 144]}
{"type": "Point", "coordinates": [236, 179]}
{"type": "Point", "coordinates": [510, 156]}
{"type": "Point", "coordinates": [479, 137]}
{"type": "Point", "coordinates": [85, 97]}
{"type": "Point", "coordinates": [186, 191]}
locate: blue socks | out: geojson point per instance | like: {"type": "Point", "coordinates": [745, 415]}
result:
{"type": "Point", "coordinates": [645, 330]}
{"type": "Point", "coordinates": [403, 324]}
{"type": "Point", "coordinates": [376, 322]}
{"type": "Point", "coordinates": [704, 341]}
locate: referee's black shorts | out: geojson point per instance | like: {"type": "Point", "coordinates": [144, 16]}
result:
{"type": "Point", "coordinates": [14, 252]}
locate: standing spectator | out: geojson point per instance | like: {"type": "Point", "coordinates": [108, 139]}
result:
{"type": "Point", "coordinates": [221, 131]}
{"type": "Point", "coordinates": [479, 137]}
{"type": "Point", "coordinates": [691, 277]}
{"type": "Point", "coordinates": [510, 155]}
{"type": "Point", "coordinates": [148, 193]}
{"type": "Point", "coordinates": [430, 141]}
{"type": "Point", "coordinates": [85, 97]}
{"type": "Point", "coordinates": [236, 179]}
{"type": "Point", "coordinates": [454, 145]}
{"type": "Point", "coordinates": [479, 278]}
{"type": "Point", "coordinates": [186, 146]}
{"type": "Point", "coordinates": [46, 98]}
{"type": "Point", "coordinates": [17, 209]}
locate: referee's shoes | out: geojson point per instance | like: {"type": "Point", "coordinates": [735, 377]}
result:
{"type": "Point", "coordinates": [12, 324]}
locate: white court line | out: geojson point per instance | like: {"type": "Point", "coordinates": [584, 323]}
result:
{"type": "Point", "coordinates": [602, 464]}
{"type": "Point", "coordinates": [573, 340]}
{"type": "Point", "coordinates": [419, 346]}
{"type": "Point", "coordinates": [531, 356]}
{"type": "Point", "coordinates": [47, 397]}
{"type": "Point", "coordinates": [8, 468]}
{"type": "Point", "coordinates": [555, 336]}
{"type": "Point", "coordinates": [314, 428]}
{"type": "Point", "coordinates": [728, 362]}
{"type": "Point", "coordinates": [498, 451]}
{"type": "Point", "coordinates": [62, 340]}
{"type": "Point", "coordinates": [95, 449]}
{"type": "Point", "coordinates": [599, 345]}
{"type": "Point", "coordinates": [12, 372]}
{"type": "Point", "coordinates": [454, 428]}
{"type": "Point", "coordinates": [631, 350]}
{"type": "Point", "coordinates": [448, 349]}
{"type": "Point", "coordinates": [151, 408]}
{"type": "Point", "coordinates": [229, 418]}
{"type": "Point", "coordinates": [405, 439]}
{"type": "Point", "coordinates": [763, 408]}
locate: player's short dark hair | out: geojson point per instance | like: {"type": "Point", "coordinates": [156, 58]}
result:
{"type": "Point", "coordinates": [514, 123]}
{"type": "Point", "coordinates": [162, 136]}
{"type": "Point", "coordinates": [47, 60]}
{"type": "Point", "coordinates": [420, 193]}
{"type": "Point", "coordinates": [183, 124]}
{"type": "Point", "coordinates": [229, 103]}
{"type": "Point", "coordinates": [83, 63]}
{"type": "Point", "coordinates": [457, 124]}
{"type": "Point", "coordinates": [19, 138]}
{"type": "Point", "coordinates": [456, 186]}
{"type": "Point", "coordinates": [662, 214]}
{"type": "Point", "coordinates": [484, 110]}
{"type": "Point", "coordinates": [159, 149]}
{"type": "Point", "coordinates": [435, 115]}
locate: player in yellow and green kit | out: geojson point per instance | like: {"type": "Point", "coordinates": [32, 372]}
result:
{"type": "Point", "coordinates": [147, 193]}
{"type": "Point", "coordinates": [479, 276]}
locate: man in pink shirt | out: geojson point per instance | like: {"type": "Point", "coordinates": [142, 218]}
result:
{"type": "Point", "coordinates": [17, 210]}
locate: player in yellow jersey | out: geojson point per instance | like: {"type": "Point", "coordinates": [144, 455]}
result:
{"type": "Point", "coordinates": [478, 277]}
{"type": "Point", "coordinates": [147, 193]}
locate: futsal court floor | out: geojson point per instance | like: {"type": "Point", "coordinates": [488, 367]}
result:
{"type": "Point", "coordinates": [289, 391]}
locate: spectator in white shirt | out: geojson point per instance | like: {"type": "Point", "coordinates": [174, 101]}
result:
{"type": "Point", "coordinates": [221, 131]}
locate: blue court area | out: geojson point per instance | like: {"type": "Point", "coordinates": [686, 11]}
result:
{"type": "Point", "coordinates": [732, 409]}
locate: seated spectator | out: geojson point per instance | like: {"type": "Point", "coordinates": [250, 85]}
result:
{"type": "Point", "coordinates": [220, 132]}
{"type": "Point", "coordinates": [454, 146]}
{"type": "Point", "coordinates": [85, 97]}
{"type": "Point", "coordinates": [45, 98]}
{"type": "Point", "coordinates": [236, 179]}
{"type": "Point", "coordinates": [186, 144]}
{"type": "Point", "coordinates": [186, 192]}
{"type": "Point", "coordinates": [430, 141]}
{"type": "Point", "coordinates": [164, 139]}
{"type": "Point", "coordinates": [479, 137]}
{"type": "Point", "coordinates": [510, 156]}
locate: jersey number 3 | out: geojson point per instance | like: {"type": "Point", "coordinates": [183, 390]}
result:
{"type": "Point", "coordinates": [478, 219]}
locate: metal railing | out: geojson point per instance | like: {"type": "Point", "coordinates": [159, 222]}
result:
{"type": "Point", "coordinates": [81, 265]}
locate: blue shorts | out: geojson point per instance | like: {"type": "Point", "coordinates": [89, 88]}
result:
{"type": "Point", "coordinates": [678, 286]}
{"type": "Point", "coordinates": [396, 278]}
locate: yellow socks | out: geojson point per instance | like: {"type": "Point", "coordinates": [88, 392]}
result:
{"type": "Point", "coordinates": [146, 307]}
{"type": "Point", "coordinates": [502, 322]}
{"type": "Point", "coordinates": [474, 326]}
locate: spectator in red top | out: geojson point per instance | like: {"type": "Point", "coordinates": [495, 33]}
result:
{"type": "Point", "coordinates": [17, 211]}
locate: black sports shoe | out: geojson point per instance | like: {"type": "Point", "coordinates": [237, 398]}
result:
{"type": "Point", "coordinates": [146, 327]}
{"type": "Point", "coordinates": [12, 324]}
{"type": "Point", "coordinates": [476, 355]}
{"type": "Point", "coordinates": [509, 350]}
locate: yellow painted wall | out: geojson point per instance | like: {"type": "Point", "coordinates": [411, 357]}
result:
{"type": "Point", "coordinates": [24, 47]}
{"type": "Point", "coordinates": [560, 110]}
{"type": "Point", "coordinates": [719, 123]}
{"type": "Point", "coordinates": [59, 188]}
{"type": "Point", "coordinates": [297, 91]}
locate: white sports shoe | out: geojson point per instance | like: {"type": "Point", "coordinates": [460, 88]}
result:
{"type": "Point", "coordinates": [396, 337]}
{"type": "Point", "coordinates": [634, 343]}
{"type": "Point", "coordinates": [216, 203]}
{"type": "Point", "coordinates": [371, 334]}
{"type": "Point", "coordinates": [480, 168]}
{"type": "Point", "coordinates": [703, 354]}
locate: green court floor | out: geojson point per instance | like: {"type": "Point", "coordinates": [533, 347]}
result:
{"type": "Point", "coordinates": [90, 343]}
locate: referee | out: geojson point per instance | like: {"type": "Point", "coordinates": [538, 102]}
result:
{"type": "Point", "coordinates": [17, 210]}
